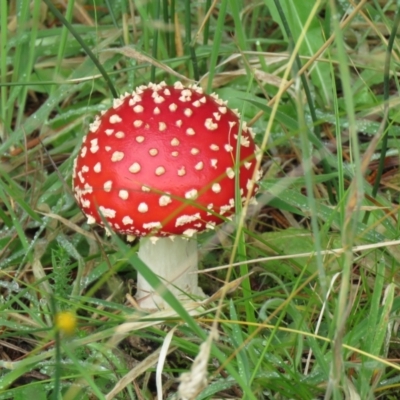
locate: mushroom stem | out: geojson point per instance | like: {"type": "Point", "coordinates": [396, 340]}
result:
{"type": "Point", "coordinates": [175, 263]}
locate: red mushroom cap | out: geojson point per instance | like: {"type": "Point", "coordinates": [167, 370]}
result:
{"type": "Point", "coordinates": [162, 161]}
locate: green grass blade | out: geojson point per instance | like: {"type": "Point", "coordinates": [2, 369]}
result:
{"type": "Point", "coordinates": [89, 52]}
{"type": "Point", "coordinates": [3, 67]}
{"type": "Point", "coordinates": [215, 51]}
{"type": "Point", "coordinates": [386, 83]}
{"type": "Point", "coordinates": [297, 14]}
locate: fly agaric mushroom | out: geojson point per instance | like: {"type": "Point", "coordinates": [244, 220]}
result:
{"type": "Point", "coordinates": [162, 162]}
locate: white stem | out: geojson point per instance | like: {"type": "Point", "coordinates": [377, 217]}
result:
{"type": "Point", "coordinates": [173, 261]}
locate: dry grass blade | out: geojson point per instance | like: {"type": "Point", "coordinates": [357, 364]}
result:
{"type": "Point", "coordinates": [336, 252]}
{"type": "Point", "coordinates": [141, 57]}
{"type": "Point", "coordinates": [154, 319]}
{"type": "Point", "coordinates": [139, 369]}
{"type": "Point", "coordinates": [71, 225]}
{"type": "Point", "coordinates": [164, 351]}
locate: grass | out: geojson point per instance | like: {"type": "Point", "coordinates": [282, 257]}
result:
{"type": "Point", "coordinates": [304, 291]}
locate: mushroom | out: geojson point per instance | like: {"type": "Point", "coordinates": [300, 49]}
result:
{"type": "Point", "coordinates": [161, 164]}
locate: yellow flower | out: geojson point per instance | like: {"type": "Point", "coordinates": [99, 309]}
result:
{"type": "Point", "coordinates": [65, 322]}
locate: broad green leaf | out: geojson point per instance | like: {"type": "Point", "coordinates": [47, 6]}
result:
{"type": "Point", "coordinates": [287, 242]}
{"type": "Point", "coordinates": [325, 213]}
